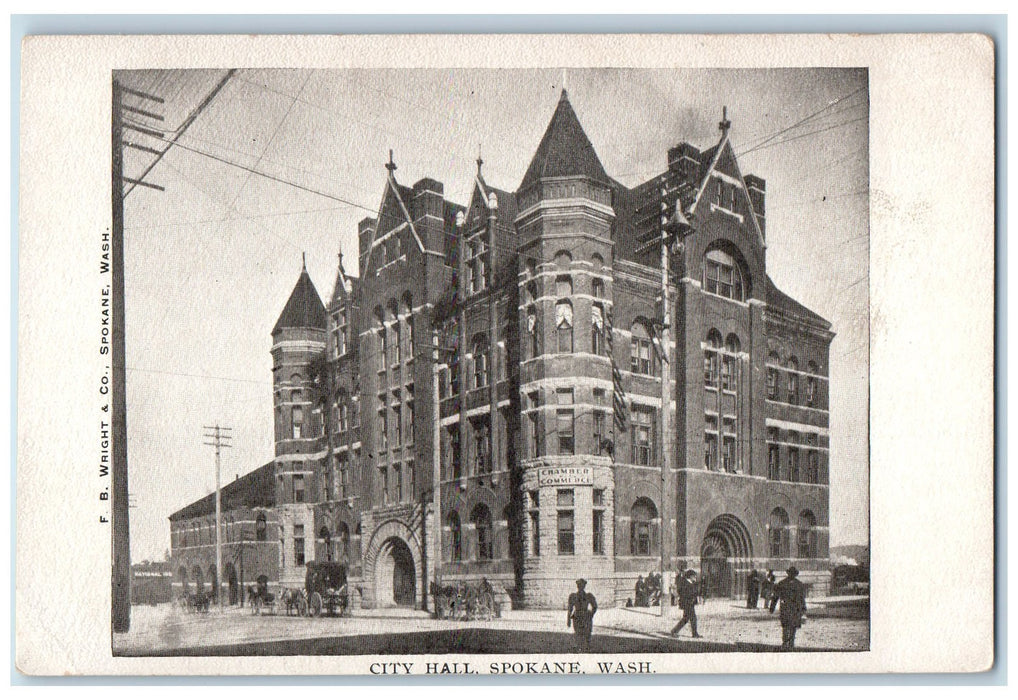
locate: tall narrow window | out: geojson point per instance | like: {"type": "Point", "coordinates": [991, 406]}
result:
{"type": "Point", "coordinates": [480, 352]}
{"type": "Point", "coordinates": [481, 429]}
{"type": "Point", "coordinates": [710, 437]}
{"type": "Point", "coordinates": [397, 423]}
{"type": "Point", "coordinates": [600, 435]}
{"type": "Point", "coordinates": [640, 351]}
{"type": "Point", "coordinates": [564, 418]}
{"type": "Point", "coordinates": [597, 522]}
{"type": "Point", "coordinates": [597, 330]}
{"type": "Point", "coordinates": [532, 336]}
{"type": "Point", "coordinates": [597, 288]}
{"type": "Point", "coordinates": [811, 384]}
{"type": "Point", "coordinates": [642, 530]}
{"type": "Point", "coordinates": [297, 422]}
{"type": "Point", "coordinates": [383, 346]}
{"type": "Point", "coordinates": [729, 458]}
{"type": "Point", "coordinates": [534, 441]}
{"type": "Point", "coordinates": [298, 488]}
{"type": "Point", "coordinates": [806, 536]}
{"type": "Point", "coordinates": [481, 518]}
{"type": "Point", "coordinates": [778, 533]}
{"type": "Point", "coordinates": [456, 537]}
{"type": "Point", "coordinates": [298, 545]}
{"type": "Point", "coordinates": [813, 468]}
{"type": "Point", "coordinates": [564, 326]}
{"type": "Point", "coordinates": [397, 472]}
{"type": "Point", "coordinates": [641, 425]}
{"type": "Point", "coordinates": [261, 531]}
{"type": "Point", "coordinates": [793, 381]}
{"type": "Point", "coordinates": [535, 523]}
{"type": "Point", "coordinates": [773, 455]}
{"type": "Point", "coordinates": [383, 474]}
{"type": "Point", "coordinates": [566, 525]}
{"type": "Point", "coordinates": [711, 353]}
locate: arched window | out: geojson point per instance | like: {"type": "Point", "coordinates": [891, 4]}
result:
{"type": "Point", "coordinates": [480, 352]}
{"type": "Point", "coordinates": [261, 533]}
{"type": "Point", "coordinates": [563, 258]}
{"type": "Point", "coordinates": [530, 293]}
{"type": "Point", "coordinates": [643, 528]}
{"type": "Point", "coordinates": [811, 383]}
{"type": "Point", "coordinates": [597, 288]}
{"type": "Point", "coordinates": [564, 326]}
{"type": "Point", "coordinates": [481, 518]}
{"type": "Point", "coordinates": [710, 359]}
{"type": "Point", "coordinates": [597, 340]}
{"type": "Point", "coordinates": [326, 537]}
{"type": "Point", "coordinates": [640, 353]}
{"type": "Point", "coordinates": [297, 422]}
{"type": "Point", "coordinates": [773, 362]}
{"type": "Point", "coordinates": [729, 363]}
{"type": "Point", "coordinates": [793, 380]}
{"type": "Point", "coordinates": [806, 539]}
{"type": "Point", "coordinates": [456, 536]}
{"type": "Point", "coordinates": [778, 533]}
{"type": "Point", "coordinates": [596, 262]}
{"type": "Point", "coordinates": [722, 275]}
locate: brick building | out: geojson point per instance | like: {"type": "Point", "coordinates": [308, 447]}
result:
{"type": "Point", "coordinates": [485, 399]}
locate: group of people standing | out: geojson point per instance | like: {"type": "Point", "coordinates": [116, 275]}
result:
{"type": "Point", "coordinates": [789, 594]}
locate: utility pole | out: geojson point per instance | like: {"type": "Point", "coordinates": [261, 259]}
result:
{"type": "Point", "coordinates": [220, 437]}
{"type": "Point", "coordinates": [666, 401]}
{"type": "Point", "coordinates": [120, 508]}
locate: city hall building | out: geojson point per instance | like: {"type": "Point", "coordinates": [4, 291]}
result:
{"type": "Point", "coordinates": [485, 399]}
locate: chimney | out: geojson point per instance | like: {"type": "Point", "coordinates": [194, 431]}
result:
{"type": "Point", "coordinates": [757, 193]}
{"type": "Point", "coordinates": [684, 159]}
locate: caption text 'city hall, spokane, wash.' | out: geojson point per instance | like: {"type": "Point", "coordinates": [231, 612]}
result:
{"type": "Point", "coordinates": [485, 399]}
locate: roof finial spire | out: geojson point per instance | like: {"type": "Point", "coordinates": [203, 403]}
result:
{"type": "Point", "coordinates": [724, 124]}
{"type": "Point", "coordinates": [391, 165]}
{"type": "Point", "coordinates": [565, 80]}
{"type": "Point", "coordinates": [480, 161]}
{"type": "Point", "coordinates": [303, 261]}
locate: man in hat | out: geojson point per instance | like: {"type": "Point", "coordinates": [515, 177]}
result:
{"type": "Point", "coordinates": [791, 592]}
{"type": "Point", "coordinates": [689, 595]}
{"type": "Point", "coordinates": [580, 614]}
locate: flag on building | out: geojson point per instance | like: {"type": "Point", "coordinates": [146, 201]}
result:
{"type": "Point", "coordinates": [618, 393]}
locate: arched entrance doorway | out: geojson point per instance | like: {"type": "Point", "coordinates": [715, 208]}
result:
{"type": "Point", "coordinates": [726, 557]}
{"type": "Point", "coordinates": [395, 579]}
{"type": "Point", "coordinates": [230, 573]}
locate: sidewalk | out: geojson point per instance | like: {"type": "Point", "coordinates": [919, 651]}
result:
{"type": "Point", "coordinates": [723, 624]}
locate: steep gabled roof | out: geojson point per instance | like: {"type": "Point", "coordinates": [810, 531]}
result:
{"type": "Point", "coordinates": [304, 309]}
{"type": "Point", "coordinates": [253, 490]}
{"type": "Point", "coordinates": [781, 301]}
{"type": "Point", "coordinates": [565, 150]}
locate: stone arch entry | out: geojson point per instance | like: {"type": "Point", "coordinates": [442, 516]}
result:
{"type": "Point", "coordinates": [395, 578]}
{"type": "Point", "coordinates": [726, 558]}
{"type": "Point", "coordinates": [392, 566]}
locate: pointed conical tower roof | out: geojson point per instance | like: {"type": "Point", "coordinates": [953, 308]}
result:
{"type": "Point", "coordinates": [304, 309]}
{"type": "Point", "coordinates": [565, 150]}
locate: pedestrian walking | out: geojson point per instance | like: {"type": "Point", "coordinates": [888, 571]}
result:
{"type": "Point", "coordinates": [767, 588]}
{"type": "Point", "coordinates": [791, 593]}
{"type": "Point", "coordinates": [641, 592]}
{"type": "Point", "coordinates": [580, 614]}
{"type": "Point", "coordinates": [689, 595]}
{"type": "Point", "coordinates": [753, 595]}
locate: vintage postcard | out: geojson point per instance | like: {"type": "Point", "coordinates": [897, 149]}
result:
{"type": "Point", "coordinates": [505, 355]}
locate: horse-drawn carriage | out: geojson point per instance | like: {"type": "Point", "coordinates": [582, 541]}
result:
{"type": "Point", "coordinates": [260, 598]}
{"type": "Point", "coordinates": [466, 601]}
{"type": "Point", "coordinates": [326, 588]}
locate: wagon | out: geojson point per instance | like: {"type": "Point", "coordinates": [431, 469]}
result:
{"type": "Point", "coordinates": [260, 598]}
{"type": "Point", "coordinates": [325, 585]}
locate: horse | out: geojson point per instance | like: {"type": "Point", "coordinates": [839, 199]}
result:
{"type": "Point", "coordinates": [295, 600]}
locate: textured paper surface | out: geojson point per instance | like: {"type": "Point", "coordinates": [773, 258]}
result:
{"type": "Point", "coordinates": [931, 316]}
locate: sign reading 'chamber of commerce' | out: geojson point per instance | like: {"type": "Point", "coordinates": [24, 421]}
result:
{"type": "Point", "coordinates": [565, 476]}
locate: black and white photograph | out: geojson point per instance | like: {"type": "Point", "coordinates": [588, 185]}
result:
{"type": "Point", "coordinates": [472, 361]}
{"type": "Point", "coordinates": [402, 363]}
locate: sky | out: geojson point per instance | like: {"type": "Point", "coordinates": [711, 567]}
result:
{"type": "Point", "coordinates": [211, 260]}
